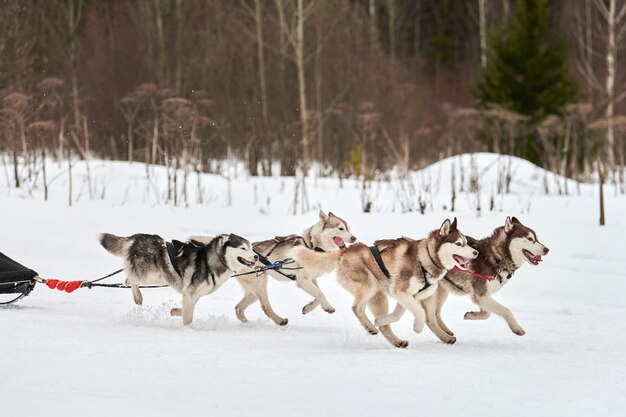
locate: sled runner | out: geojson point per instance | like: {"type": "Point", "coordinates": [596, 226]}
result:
{"type": "Point", "coordinates": [16, 280]}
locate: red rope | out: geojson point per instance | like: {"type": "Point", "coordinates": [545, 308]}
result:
{"type": "Point", "coordinates": [67, 286]}
{"type": "Point", "coordinates": [485, 277]}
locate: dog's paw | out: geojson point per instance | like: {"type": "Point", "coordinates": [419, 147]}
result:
{"type": "Point", "coordinates": [418, 326]}
{"type": "Point", "coordinates": [283, 322]}
{"type": "Point", "coordinates": [241, 316]}
{"type": "Point", "coordinates": [330, 310]}
{"type": "Point", "coordinates": [176, 312]}
{"type": "Point", "coordinates": [372, 331]}
{"type": "Point", "coordinates": [309, 307]}
{"type": "Point", "coordinates": [449, 340]}
{"type": "Point", "coordinates": [402, 344]}
{"type": "Point", "coordinates": [476, 315]}
{"type": "Point", "coordinates": [519, 331]}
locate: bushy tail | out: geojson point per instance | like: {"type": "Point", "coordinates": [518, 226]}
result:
{"type": "Point", "coordinates": [316, 262]}
{"type": "Point", "coordinates": [114, 244]}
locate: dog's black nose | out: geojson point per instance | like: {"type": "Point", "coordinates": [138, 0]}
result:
{"type": "Point", "coordinates": [256, 257]}
{"type": "Point", "coordinates": [545, 251]}
{"type": "Point", "coordinates": [353, 239]}
{"type": "Point", "coordinates": [475, 253]}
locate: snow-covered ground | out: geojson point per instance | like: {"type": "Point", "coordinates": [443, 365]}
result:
{"type": "Point", "coordinates": [95, 353]}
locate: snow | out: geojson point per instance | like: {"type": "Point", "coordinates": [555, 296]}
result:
{"type": "Point", "coordinates": [94, 352]}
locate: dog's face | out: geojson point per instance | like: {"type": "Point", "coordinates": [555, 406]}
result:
{"type": "Point", "coordinates": [334, 232]}
{"type": "Point", "coordinates": [453, 248]}
{"type": "Point", "coordinates": [238, 253]}
{"type": "Point", "coordinates": [523, 243]}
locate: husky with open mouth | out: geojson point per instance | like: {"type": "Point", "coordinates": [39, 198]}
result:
{"type": "Point", "coordinates": [408, 270]}
{"type": "Point", "coordinates": [329, 234]}
{"type": "Point", "coordinates": [194, 268]}
{"type": "Point", "coordinates": [501, 254]}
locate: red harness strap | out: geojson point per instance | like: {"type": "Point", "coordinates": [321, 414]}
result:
{"type": "Point", "coordinates": [485, 277]}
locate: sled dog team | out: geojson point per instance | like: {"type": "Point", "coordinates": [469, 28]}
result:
{"type": "Point", "coordinates": [417, 274]}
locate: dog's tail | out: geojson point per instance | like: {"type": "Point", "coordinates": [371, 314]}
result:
{"type": "Point", "coordinates": [316, 262]}
{"type": "Point", "coordinates": [114, 244]}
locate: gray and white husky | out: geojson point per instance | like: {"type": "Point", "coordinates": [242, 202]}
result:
{"type": "Point", "coordinates": [408, 270]}
{"type": "Point", "coordinates": [329, 234]}
{"type": "Point", "coordinates": [501, 254]}
{"type": "Point", "coordinates": [203, 266]}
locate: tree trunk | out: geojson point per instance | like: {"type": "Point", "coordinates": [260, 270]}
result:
{"type": "Point", "coordinates": [45, 177]}
{"type": "Point", "coordinates": [258, 17]}
{"type": "Point", "coordinates": [299, 50]}
{"type": "Point", "coordinates": [129, 137]}
{"type": "Point", "coordinates": [161, 43]}
{"type": "Point", "coordinates": [179, 54]}
{"type": "Point", "coordinates": [483, 35]}
{"type": "Point", "coordinates": [601, 173]}
{"type": "Point", "coordinates": [611, 55]}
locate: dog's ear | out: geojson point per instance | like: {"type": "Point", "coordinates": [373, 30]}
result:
{"type": "Point", "coordinates": [515, 221]}
{"type": "Point", "coordinates": [445, 228]}
{"type": "Point", "coordinates": [196, 243]}
{"type": "Point", "coordinates": [323, 216]}
{"type": "Point", "coordinates": [236, 239]}
{"type": "Point", "coordinates": [453, 226]}
{"type": "Point", "coordinates": [508, 225]}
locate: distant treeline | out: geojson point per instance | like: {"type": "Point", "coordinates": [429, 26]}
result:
{"type": "Point", "coordinates": [352, 85]}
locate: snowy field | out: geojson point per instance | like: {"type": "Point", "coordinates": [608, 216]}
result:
{"type": "Point", "coordinates": [95, 353]}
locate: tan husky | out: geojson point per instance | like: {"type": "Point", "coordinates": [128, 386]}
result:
{"type": "Point", "coordinates": [408, 270]}
{"type": "Point", "coordinates": [329, 234]}
{"type": "Point", "coordinates": [501, 254]}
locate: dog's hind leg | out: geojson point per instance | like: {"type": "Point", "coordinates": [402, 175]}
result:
{"type": "Point", "coordinates": [394, 317]}
{"type": "Point", "coordinates": [189, 304]}
{"type": "Point", "coordinates": [257, 288]}
{"type": "Point", "coordinates": [441, 297]}
{"type": "Point", "coordinates": [380, 307]}
{"type": "Point", "coordinates": [308, 286]}
{"type": "Point", "coordinates": [430, 306]}
{"type": "Point", "coordinates": [313, 304]}
{"type": "Point", "coordinates": [133, 282]}
{"type": "Point", "coordinates": [489, 304]}
{"type": "Point", "coordinates": [247, 300]}
{"type": "Point", "coordinates": [261, 293]}
{"type": "Point", "coordinates": [361, 300]}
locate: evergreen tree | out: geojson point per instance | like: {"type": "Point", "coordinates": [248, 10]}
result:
{"type": "Point", "coordinates": [527, 69]}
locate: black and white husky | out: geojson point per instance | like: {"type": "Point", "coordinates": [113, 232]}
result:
{"type": "Point", "coordinates": [194, 268]}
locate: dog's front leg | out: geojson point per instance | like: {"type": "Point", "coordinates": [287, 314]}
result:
{"type": "Point", "coordinates": [430, 305]}
{"type": "Point", "coordinates": [489, 304]}
{"type": "Point", "coordinates": [189, 304]}
{"type": "Point", "coordinates": [409, 302]}
{"type": "Point", "coordinates": [441, 297]}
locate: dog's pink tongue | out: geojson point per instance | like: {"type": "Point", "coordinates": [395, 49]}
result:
{"type": "Point", "coordinates": [538, 258]}
{"type": "Point", "coordinates": [339, 241]}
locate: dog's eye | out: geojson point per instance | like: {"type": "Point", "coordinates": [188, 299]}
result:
{"type": "Point", "coordinates": [342, 229]}
{"type": "Point", "coordinates": [530, 238]}
{"type": "Point", "coordinates": [458, 244]}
